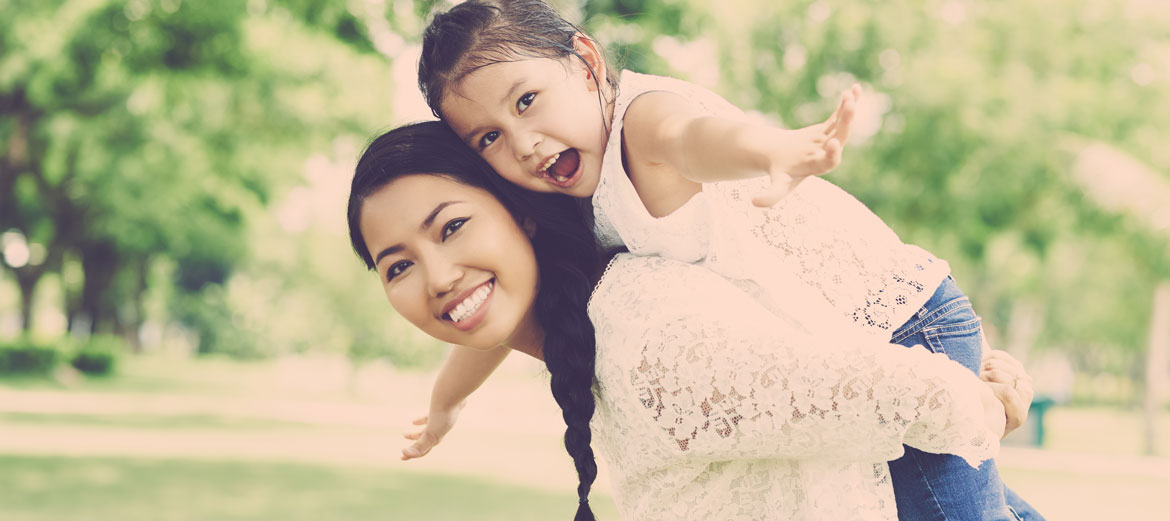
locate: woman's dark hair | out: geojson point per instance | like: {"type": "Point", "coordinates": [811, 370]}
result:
{"type": "Point", "coordinates": [478, 33]}
{"type": "Point", "coordinates": [566, 253]}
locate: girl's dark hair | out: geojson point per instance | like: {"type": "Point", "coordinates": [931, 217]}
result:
{"type": "Point", "coordinates": [566, 253]}
{"type": "Point", "coordinates": [478, 33]}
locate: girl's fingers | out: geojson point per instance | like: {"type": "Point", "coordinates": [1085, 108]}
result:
{"type": "Point", "coordinates": [843, 126]}
{"type": "Point", "coordinates": [412, 435]}
{"type": "Point", "coordinates": [420, 421]}
{"type": "Point", "coordinates": [832, 153]}
{"type": "Point", "coordinates": [830, 125]}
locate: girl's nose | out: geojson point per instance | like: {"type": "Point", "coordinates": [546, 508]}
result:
{"type": "Point", "coordinates": [524, 146]}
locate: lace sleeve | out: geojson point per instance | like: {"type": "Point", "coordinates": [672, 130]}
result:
{"type": "Point", "coordinates": [689, 366]}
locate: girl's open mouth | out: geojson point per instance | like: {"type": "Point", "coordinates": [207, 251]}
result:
{"type": "Point", "coordinates": [564, 169]}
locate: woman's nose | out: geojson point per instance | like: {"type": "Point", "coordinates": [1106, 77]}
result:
{"type": "Point", "coordinates": [442, 276]}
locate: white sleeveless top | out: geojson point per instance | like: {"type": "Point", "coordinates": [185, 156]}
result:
{"type": "Point", "coordinates": [819, 245]}
{"type": "Point", "coordinates": [710, 408]}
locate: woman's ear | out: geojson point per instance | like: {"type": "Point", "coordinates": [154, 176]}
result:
{"type": "Point", "coordinates": [594, 57]}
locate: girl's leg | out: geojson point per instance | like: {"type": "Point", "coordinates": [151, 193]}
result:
{"type": "Point", "coordinates": [942, 487]}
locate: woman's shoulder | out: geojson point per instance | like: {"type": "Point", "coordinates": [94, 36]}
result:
{"type": "Point", "coordinates": [633, 280]}
{"type": "Point", "coordinates": [658, 286]}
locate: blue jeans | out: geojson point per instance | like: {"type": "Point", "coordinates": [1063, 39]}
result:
{"type": "Point", "coordinates": [943, 487]}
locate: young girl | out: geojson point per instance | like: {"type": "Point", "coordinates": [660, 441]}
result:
{"type": "Point", "coordinates": [669, 168]}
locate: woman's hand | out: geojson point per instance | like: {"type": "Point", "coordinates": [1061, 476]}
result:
{"type": "Point", "coordinates": [1011, 385]}
{"type": "Point", "coordinates": [994, 407]}
{"type": "Point", "coordinates": [808, 151]}
{"type": "Point", "coordinates": [435, 425]}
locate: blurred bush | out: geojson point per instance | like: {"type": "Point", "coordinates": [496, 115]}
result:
{"type": "Point", "coordinates": [25, 356]}
{"type": "Point", "coordinates": [99, 355]}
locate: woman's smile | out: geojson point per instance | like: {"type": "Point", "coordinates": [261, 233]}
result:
{"type": "Point", "coordinates": [452, 259]}
{"type": "Point", "coordinates": [468, 309]}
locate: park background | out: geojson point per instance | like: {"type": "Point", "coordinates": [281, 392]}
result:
{"type": "Point", "coordinates": [185, 334]}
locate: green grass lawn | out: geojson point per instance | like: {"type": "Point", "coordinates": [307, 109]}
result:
{"type": "Point", "coordinates": [36, 488]}
{"type": "Point", "coordinates": [141, 421]}
{"type": "Point", "coordinates": [243, 409]}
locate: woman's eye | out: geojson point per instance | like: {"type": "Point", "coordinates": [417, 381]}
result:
{"type": "Point", "coordinates": [488, 139]}
{"type": "Point", "coordinates": [525, 101]}
{"type": "Point", "coordinates": [396, 269]}
{"type": "Point", "coordinates": [453, 226]}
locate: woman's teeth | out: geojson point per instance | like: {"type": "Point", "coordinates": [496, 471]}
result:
{"type": "Point", "coordinates": [470, 304]}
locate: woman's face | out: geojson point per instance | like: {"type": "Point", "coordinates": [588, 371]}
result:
{"type": "Point", "coordinates": [452, 260]}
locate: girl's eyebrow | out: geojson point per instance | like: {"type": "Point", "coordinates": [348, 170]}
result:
{"type": "Point", "coordinates": [426, 223]}
{"type": "Point", "coordinates": [470, 135]}
{"type": "Point", "coordinates": [508, 95]}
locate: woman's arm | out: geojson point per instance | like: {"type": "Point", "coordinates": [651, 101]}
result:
{"type": "Point", "coordinates": [464, 371]}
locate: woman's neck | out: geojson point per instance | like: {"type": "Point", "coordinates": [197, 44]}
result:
{"type": "Point", "coordinates": [528, 337]}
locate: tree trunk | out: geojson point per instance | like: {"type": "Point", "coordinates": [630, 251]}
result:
{"type": "Point", "coordinates": [27, 278]}
{"type": "Point", "coordinates": [131, 323]}
{"type": "Point", "coordinates": [99, 263]}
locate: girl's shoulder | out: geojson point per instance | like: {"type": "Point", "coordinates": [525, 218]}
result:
{"type": "Point", "coordinates": [634, 84]}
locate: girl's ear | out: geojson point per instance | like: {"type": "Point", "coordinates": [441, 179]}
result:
{"type": "Point", "coordinates": [593, 56]}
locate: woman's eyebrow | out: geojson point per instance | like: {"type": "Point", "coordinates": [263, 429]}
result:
{"type": "Point", "coordinates": [435, 213]}
{"type": "Point", "coordinates": [426, 223]}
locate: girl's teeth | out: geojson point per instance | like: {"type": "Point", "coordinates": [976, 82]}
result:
{"type": "Point", "coordinates": [549, 162]}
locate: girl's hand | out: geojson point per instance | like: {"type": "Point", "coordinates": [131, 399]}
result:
{"type": "Point", "coordinates": [436, 425]}
{"type": "Point", "coordinates": [999, 369]}
{"type": "Point", "coordinates": [812, 150]}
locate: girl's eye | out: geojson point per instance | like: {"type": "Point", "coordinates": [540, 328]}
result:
{"type": "Point", "coordinates": [525, 101]}
{"type": "Point", "coordinates": [453, 226]}
{"type": "Point", "coordinates": [396, 269]}
{"type": "Point", "coordinates": [488, 139]}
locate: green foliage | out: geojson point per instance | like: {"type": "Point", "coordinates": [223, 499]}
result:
{"type": "Point", "coordinates": [175, 138]}
{"type": "Point", "coordinates": [99, 355]}
{"type": "Point", "coordinates": [25, 356]}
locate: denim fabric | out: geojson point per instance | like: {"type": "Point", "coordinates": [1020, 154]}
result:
{"type": "Point", "coordinates": [942, 487]}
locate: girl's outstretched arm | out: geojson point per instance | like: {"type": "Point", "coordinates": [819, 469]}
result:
{"type": "Point", "coordinates": [665, 132]}
{"type": "Point", "coordinates": [462, 373]}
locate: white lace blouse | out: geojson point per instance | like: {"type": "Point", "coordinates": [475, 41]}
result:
{"type": "Point", "coordinates": [819, 245]}
{"type": "Point", "coordinates": [710, 407]}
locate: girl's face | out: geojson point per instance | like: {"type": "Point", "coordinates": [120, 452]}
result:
{"type": "Point", "coordinates": [452, 260]}
{"type": "Point", "coordinates": [539, 122]}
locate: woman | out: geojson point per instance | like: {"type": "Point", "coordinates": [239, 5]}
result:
{"type": "Point", "coordinates": [707, 408]}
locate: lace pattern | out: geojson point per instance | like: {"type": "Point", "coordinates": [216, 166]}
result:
{"type": "Point", "coordinates": [710, 408]}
